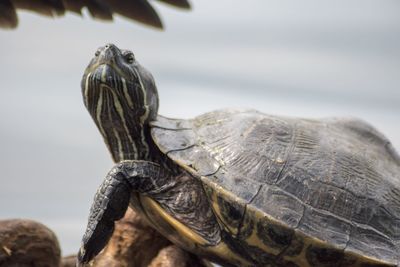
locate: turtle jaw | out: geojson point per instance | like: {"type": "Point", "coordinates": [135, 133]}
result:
{"type": "Point", "coordinates": [103, 74]}
{"type": "Point", "coordinates": [99, 77]}
{"type": "Point", "coordinates": [107, 73]}
{"type": "Point", "coordinates": [100, 85]}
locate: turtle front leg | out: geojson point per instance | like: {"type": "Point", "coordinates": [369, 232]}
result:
{"type": "Point", "coordinates": [112, 200]}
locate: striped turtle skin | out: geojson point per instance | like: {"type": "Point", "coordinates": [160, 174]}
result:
{"type": "Point", "coordinates": [240, 187]}
{"type": "Point", "coordinates": [137, 10]}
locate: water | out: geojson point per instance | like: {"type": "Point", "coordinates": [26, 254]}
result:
{"type": "Point", "coordinates": [309, 59]}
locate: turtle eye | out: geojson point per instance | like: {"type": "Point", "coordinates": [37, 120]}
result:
{"type": "Point", "coordinates": [130, 58]}
{"type": "Point", "coordinates": [97, 53]}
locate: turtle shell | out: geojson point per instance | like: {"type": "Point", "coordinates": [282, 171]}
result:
{"type": "Point", "coordinates": [296, 191]}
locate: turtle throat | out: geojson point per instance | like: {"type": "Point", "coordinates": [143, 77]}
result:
{"type": "Point", "coordinates": [125, 132]}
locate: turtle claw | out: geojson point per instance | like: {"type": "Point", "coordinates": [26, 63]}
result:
{"type": "Point", "coordinates": [94, 240]}
{"type": "Point", "coordinates": [82, 258]}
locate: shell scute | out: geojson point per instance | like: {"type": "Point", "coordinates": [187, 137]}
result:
{"type": "Point", "coordinates": [365, 131]}
{"type": "Point", "coordinates": [325, 227]}
{"type": "Point", "coordinates": [234, 185]}
{"type": "Point", "coordinates": [274, 235]}
{"type": "Point", "coordinates": [172, 140]}
{"type": "Point", "coordinates": [324, 257]}
{"type": "Point", "coordinates": [376, 244]}
{"type": "Point", "coordinates": [171, 124]}
{"type": "Point", "coordinates": [231, 212]}
{"type": "Point", "coordinates": [280, 205]}
{"type": "Point", "coordinates": [195, 160]}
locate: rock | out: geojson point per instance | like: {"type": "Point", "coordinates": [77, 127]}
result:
{"type": "Point", "coordinates": [135, 244]}
{"type": "Point", "coordinates": [26, 243]}
{"type": "Point", "coordinates": [172, 256]}
{"type": "Point", "coordinates": [68, 261]}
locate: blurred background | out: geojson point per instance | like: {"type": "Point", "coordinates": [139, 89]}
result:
{"type": "Point", "coordinates": [307, 58]}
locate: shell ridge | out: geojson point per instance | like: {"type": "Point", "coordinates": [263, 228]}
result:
{"type": "Point", "coordinates": [289, 152]}
{"type": "Point", "coordinates": [170, 129]}
{"type": "Point", "coordinates": [179, 149]}
{"type": "Point", "coordinates": [166, 123]}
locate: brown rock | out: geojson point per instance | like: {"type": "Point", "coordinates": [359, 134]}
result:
{"type": "Point", "coordinates": [136, 244]}
{"type": "Point", "coordinates": [172, 256]}
{"type": "Point", "coordinates": [26, 243]}
{"type": "Point", "coordinates": [68, 261]}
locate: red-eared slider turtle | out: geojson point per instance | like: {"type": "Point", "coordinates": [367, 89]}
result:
{"type": "Point", "coordinates": [240, 187]}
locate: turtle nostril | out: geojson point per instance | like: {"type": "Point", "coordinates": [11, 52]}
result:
{"type": "Point", "coordinates": [109, 45]}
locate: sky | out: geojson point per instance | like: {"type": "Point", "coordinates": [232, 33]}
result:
{"type": "Point", "coordinates": [306, 59]}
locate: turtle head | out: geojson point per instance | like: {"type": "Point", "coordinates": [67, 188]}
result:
{"type": "Point", "coordinates": [122, 98]}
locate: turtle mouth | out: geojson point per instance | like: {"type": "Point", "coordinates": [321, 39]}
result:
{"type": "Point", "coordinates": [101, 77]}
{"type": "Point", "coordinates": [104, 73]}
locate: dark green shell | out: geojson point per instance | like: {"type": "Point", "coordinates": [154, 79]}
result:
{"type": "Point", "coordinates": [297, 191]}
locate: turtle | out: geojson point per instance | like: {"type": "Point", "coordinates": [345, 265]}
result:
{"type": "Point", "coordinates": [239, 187]}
